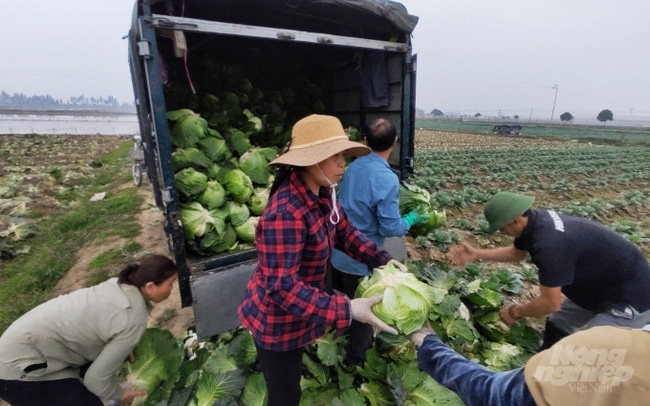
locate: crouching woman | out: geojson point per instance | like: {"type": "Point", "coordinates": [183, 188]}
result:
{"type": "Point", "coordinates": [68, 350]}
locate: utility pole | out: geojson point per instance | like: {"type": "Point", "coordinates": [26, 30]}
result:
{"type": "Point", "coordinates": [554, 100]}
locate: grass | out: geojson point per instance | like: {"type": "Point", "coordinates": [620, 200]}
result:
{"type": "Point", "coordinates": [27, 280]}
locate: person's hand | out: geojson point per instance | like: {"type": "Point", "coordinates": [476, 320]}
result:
{"type": "Point", "coordinates": [131, 357]}
{"type": "Point", "coordinates": [508, 316]}
{"type": "Point", "coordinates": [461, 253]}
{"type": "Point", "coordinates": [418, 337]}
{"type": "Point", "coordinates": [414, 218]}
{"type": "Point", "coordinates": [361, 310]}
{"type": "Point", "coordinates": [129, 394]}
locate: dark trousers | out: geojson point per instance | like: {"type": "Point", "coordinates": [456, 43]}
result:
{"type": "Point", "coordinates": [360, 335]}
{"type": "Point", "coordinates": [282, 371]}
{"type": "Point", "coordinates": [69, 391]}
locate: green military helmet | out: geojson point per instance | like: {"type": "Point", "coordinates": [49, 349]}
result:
{"type": "Point", "coordinates": [504, 207]}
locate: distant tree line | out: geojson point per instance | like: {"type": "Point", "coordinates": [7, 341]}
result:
{"type": "Point", "coordinates": [603, 116]}
{"type": "Point", "coordinates": [20, 99]}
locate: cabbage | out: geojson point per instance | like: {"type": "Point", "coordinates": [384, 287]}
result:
{"type": "Point", "coordinates": [214, 148]}
{"type": "Point", "coordinates": [237, 184]}
{"type": "Point", "coordinates": [436, 219]}
{"type": "Point", "coordinates": [255, 164]}
{"type": "Point", "coordinates": [258, 200]}
{"type": "Point", "coordinates": [213, 171]}
{"type": "Point", "coordinates": [238, 213]}
{"type": "Point", "coordinates": [190, 182]}
{"type": "Point", "coordinates": [219, 242]}
{"type": "Point", "coordinates": [255, 392]}
{"type": "Point", "coordinates": [413, 197]}
{"type": "Point", "coordinates": [240, 141]}
{"type": "Point", "coordinates": [214, 196]}
{"type": "Point", "coordinates": [158, 358]}
{"type": "Point", "coordinates": [17, 229]}
{"type": "Point", "coordinates": [255, 122]}
{"type": "Point", "coordinates": [407, 301]}
{"type": "Point", "coordinates": [246, 231]}
{"type": "Point", "coordinates": [185, 157]}
{"type": "Point", "coordinates": [196, 220]}
{"type": "Point", "coordinates": [188, 128]}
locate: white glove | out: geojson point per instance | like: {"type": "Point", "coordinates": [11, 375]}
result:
{"type": "Point", "coordinates": [398, 265]}
{"type": "Point", "coordinates": [360, 310]}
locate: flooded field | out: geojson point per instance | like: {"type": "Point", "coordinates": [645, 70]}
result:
{"type": "Point", "coordinates": [86, 123]}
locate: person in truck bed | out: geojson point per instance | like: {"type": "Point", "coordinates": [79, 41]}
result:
{"type": "Point", "coordinates": [68, 350]}
{"type": "Point", "coordinates": [589, 275]}
{"type": "Point", "coordinates": [369, 194]}
{"type": "Point", "coordinates": [286, 305]}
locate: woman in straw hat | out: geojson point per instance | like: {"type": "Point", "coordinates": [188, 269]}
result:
{"type": "Point", "coordinates": [285, 305]}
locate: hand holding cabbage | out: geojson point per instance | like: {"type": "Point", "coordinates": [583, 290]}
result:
{"type": "Point", "coordinates": [361, 310]}
{"type": "Point", "coordinates": [406, 302]}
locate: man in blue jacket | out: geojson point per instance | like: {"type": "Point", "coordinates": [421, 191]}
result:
{"type": "Point", "coordinates": [369, 194]}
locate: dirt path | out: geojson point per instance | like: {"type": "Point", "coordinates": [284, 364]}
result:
{"type": "Point", "coordinates": [168, 314]}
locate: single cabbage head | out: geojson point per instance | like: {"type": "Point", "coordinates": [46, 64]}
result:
{"type": "Point", "coordinates": [258, 201]}
{"type": "Point", "coordinates": [214, 196]}
{"type": "Point", "coordinates": [238, 213]}
{"type": "Point", "coordinates": [215, 148]}
{"type": "Point", "coordinates": [246, 231]}
{"type": "Point", "coordinates": [413, 197]}
{"type": "Point", "coordinates": [407, 301]}
{"type": "Point", "coordinates": [237, 183]}
{"type": "Point", "coordinates": [158, 359]}
{"type": "Point", "coordinates": [191, 182]}
{"type": "Point", "coordinates": [187, 128]}
{"type": "Point", "coordinates": [185, 157]}
{"type": "Point", "coordinates": [196, 220]}
{"type": "Point", "coordinates": [255, 164]}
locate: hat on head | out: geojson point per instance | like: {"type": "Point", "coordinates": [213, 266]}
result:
{"type": "Point", "coordinates": [504, 207]}
{"type": "Point", "coordinates": [316, 138]}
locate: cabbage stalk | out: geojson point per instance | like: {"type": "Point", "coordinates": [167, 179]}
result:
{"type": "Point", "coordinates": [407, 301]}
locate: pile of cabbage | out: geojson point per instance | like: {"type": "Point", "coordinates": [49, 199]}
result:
{"type": "Point", "coordinates": [222, 180]}
{"type": "Point", "coordinates": [230, 112]}
{"type": "Point", "coordinates": [462, 306]}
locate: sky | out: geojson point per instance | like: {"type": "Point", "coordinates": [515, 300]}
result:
{"type": "Point", "coordinates": [474, 56]}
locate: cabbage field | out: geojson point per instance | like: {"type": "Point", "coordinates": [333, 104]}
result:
{"type": "Point", "coordinates": [42, 178]}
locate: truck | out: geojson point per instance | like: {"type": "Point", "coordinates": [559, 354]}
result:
{"type": "Point", "coordinates": [352, 59]}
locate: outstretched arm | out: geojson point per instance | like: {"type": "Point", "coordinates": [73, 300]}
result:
{"type": "Point", "coordinates": [473, 383]}
{"type": "Point", "coordinates": [464, 252]}
{"type": "Point", "coordinates": [548, 301]}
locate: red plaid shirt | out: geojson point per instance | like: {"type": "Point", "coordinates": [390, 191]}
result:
{"type": "Point", "coordinates": [285, 305]}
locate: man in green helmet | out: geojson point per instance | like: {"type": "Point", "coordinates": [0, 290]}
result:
{"type": "Point", "coordinates": [589, 275]}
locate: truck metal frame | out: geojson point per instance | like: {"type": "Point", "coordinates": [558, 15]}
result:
{"type": "Point", "coordinates": [317, 29]}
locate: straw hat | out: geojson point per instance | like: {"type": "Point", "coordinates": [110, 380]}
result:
{"type": "Point", "coordinates": [316, 138]}
{"type": "Point", "coordinates": [504, 207]}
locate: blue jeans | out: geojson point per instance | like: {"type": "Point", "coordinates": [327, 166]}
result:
{"type": "Point", "coordinates": [473, 383]}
